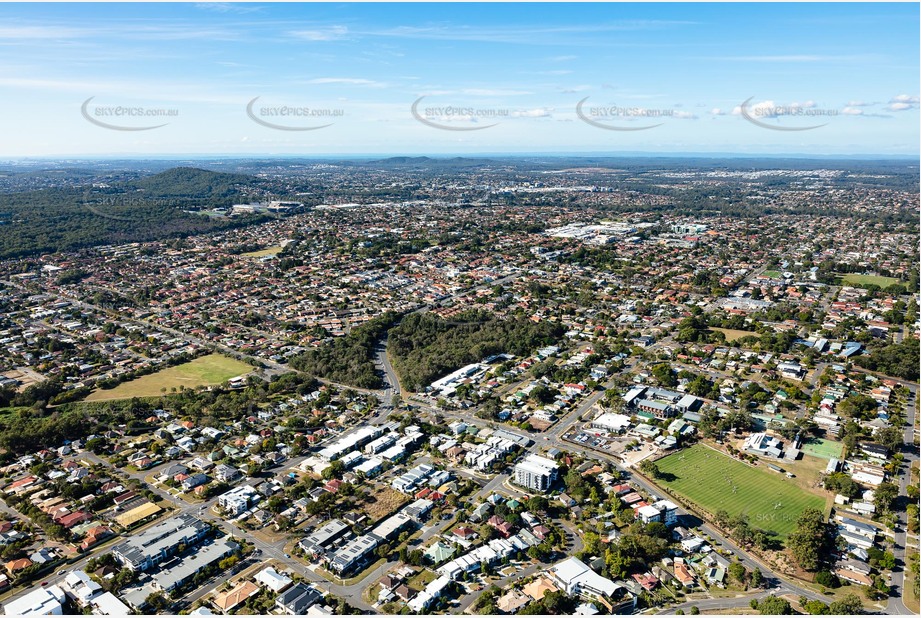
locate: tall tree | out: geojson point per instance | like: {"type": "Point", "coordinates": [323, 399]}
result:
{"type": "Point", "coordinates": [809, 538]}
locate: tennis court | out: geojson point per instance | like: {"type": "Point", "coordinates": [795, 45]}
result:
{"type": "Point", "coordinates": [825, 449]}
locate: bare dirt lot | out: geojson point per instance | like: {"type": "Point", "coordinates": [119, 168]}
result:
{"type": "Point", "coordinates": [26, 377]}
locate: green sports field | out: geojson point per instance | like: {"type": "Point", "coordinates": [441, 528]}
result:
{"type": "Point", "coordinates": [825, 449]}
{"type": "Point", "coordinates": [714, 481]}
{"type": "Point", "coordinates": [263, 253]}
{"type": "Point", "coordinates": [203, 371]}
{"type": "Point", "coordinates": [859, 281]}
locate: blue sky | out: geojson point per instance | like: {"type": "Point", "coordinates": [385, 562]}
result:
{"type": "Point", "coordinates": [492, 78]}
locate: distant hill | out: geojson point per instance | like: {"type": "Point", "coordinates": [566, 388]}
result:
{"type": "Point", "coordinates": [431, 162]}
{"type": "Point", "coordinates": [191, 182]}
{"type": "Point", "coordinates": [401, 161]}
{"type": "Point", "coordinates": [150, 208]}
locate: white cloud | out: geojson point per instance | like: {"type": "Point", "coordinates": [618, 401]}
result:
{"type": "Point", "coordinates": [684, 115]}
{"type": "Point", "coordinates": [333, 33]}
{"type": "Point", "coordinates": [488, 92]}
{"type": "Point", "coordinates": [437, 93]}
{"type": "Point", "coordinates": [521, 35]}
{"type": "Point", "coordinates": [132, 31]}
{"type": "Point", "coordinates": [228, 7]}
{"type": "Point", "coordinates": [41, 32]}
{"type": "Point", "coordinates": [540, 112]}
{"type": "Point", "coordinates": [351, 81]}
{"type": "Point", "coordinates": [717, 112]}
{"type": "Point", "coordinates": [902, 102]}
{"type": "Point", "coordinates": [797, 58]}
{"type": "Point", "coordinates": [125, 92]}
{"type": "Point", "coordinates": [764, 109]}
{"type": "Point", "coordinates": [574, 89]}
{"type": "Point", "coordinates": [852, 111]}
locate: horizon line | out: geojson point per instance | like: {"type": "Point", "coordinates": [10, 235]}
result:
{"type": "Point", "coordinates": [436, 156]}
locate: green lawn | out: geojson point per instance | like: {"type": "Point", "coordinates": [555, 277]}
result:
{"type": "Point", "coordinates": [715, 481]}
{"type": "Point", "coordinates": [204, 371]}
{"type": "Point", "coordinates": [421, 579]}
{"type": "Point", "coordinates": [858, 281]}
{"type": "Point", "coordinates": [772, 274]}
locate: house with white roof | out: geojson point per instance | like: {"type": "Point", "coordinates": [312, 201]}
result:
{"type": "Point", "coordinates": [575, 577]}
{"type": "Point", "coordinates": [273, 580]}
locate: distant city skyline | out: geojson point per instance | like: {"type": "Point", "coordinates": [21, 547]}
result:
{"type": "Point", "coordinates": [214, 79]}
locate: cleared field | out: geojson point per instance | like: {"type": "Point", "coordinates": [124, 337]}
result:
{"type": "Point", "coordinates": [772, 274]}
{"type": "Point", "coordinates": [26, 376]}
{"type": "Point", "coordinates": [733, 334]}
{"type": "Point", "coordinates": [263, 253]}
{"type": "Point", "coordinates": [863, 280]}
{"type": "Point", "coordinates": [715, 481]}
{"type": "Point", "coordinates": [204, 371]}
{"type": "Point", "coordinates": [383, 502]}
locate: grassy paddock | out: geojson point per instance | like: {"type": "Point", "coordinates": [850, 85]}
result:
{"type": "Point", "coordinates": [263, 253]}
{"type": "Point", "coordinates": [203, 371]}
{"type": "Point", "coordinates": [733, 334]}
{"type": "Point", "coordinates": [715, 481]}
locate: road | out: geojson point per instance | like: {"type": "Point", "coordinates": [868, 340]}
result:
{"type": "Point", "coordinates": [552, 437]}
{"type": "Point", "coordinates": [910, 452]}
{"type": "Point", "coordinates": [202, 510]}
{"type": "Point", "coordinates": [749, 561]}
{"type": "Point", "coordinates": [573, 546]}
{"type": "Point", "coordinates": [746, 559]}
{"type": "Point", "coordinates": [718, 604]}
{"type": "Point", "coordinates": [391, 383]}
